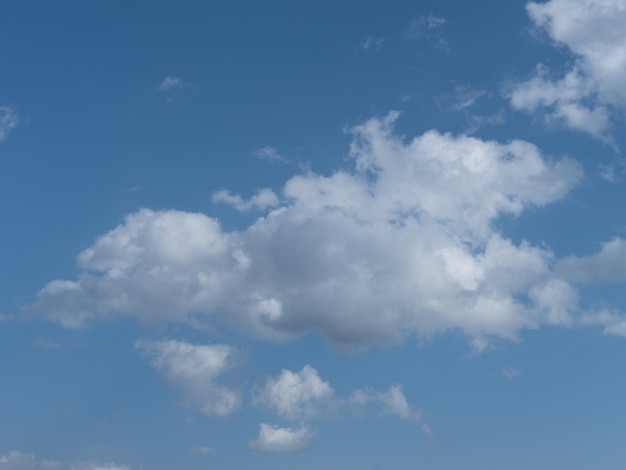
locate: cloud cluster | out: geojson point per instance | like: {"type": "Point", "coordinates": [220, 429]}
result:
{"type": "Point", "coordinates": [592, 90]}
{"type": "Point", "coordinates": [303, 396]}
{"type": "Point", "coordinates": [194, 370]}
{"type": "Point", "coordinates": [19, 461]}
{"type": "Point", "coordinates": [403, 243]}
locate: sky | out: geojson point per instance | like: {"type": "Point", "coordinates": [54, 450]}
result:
{"type": "Point", "coordinates": [355, 235]}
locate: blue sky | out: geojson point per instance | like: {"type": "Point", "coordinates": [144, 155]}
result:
{"type": "Point", "coordinates": [313, 235]}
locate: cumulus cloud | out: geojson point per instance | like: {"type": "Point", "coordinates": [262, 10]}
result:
{"type": "Point", "coordinates": [608, 265]}
{"type": "Point", "coordinates": [303, 396]}
{"type": "Point", "coordinates": [392, 402]}
{"type": "Point", "coordinates": [8, 121]}
{"type": "Point", "coordinates": [18, 461]}
{"type": "Point", "coordinates": [276, 439]}
{"type": "Point", "coordinates": [404, 242]}
{"type": "Point", "coordinates": [194, 370]}
{"type": "Point", "coordinates": [592, 89]}
{"type": "Point", "coordinates": [263, 199]}
{"type": "Point", "coordinates": [295, 396]}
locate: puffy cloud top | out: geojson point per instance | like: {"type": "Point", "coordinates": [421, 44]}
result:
{"type": "Point", "coordinates": [405, 241]}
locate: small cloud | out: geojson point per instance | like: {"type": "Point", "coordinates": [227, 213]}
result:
{"type": "Point", "coordinates": [510, 373]}
{"type": "Point", "coordinates": [462, 99]}
{"type": "Point", "coordinates": [171, 83]}
{"type": "Point", "coordinates": [8, 121]}
{"type": "Point", "coordinates": [132, 189]}
{"type": "Point", "coordinates": [43, 343]}
{"type": "Point", "coordinates": [263, 199]}
{"type": "Point", "coordinates": [202, 450]}
{"type": "Point", "coordinates": [428, 27]}
{"type": "Point", "coordinates": [195, 370]}
{"type": "Point", "coordinates": [612, 172]}
{"type": "Point", "coordinates": [607, 172]}
{"type": "Point", "coordinates": [372, 43]}
{"type": "Point", "coordinates": [270, 154]}
{"type": "Point", "coordinates": [393, 402]}
{"type": "Point", "coordinates": [276, 439]}
{"type": "Point", "coordinates": [295, 395]}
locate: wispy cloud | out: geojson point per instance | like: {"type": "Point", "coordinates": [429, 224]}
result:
{"type": "Point", "coordinates": [43, 343]}
{"type": "Point", "coordinates": [8, 121]}
{"type": "Point", "coordinates": [270, 154]}
{"type": "Point", "coordinates": [372, 43]}
{"type": "Point", "coordinates": [194, 369]}
{"type": "Point", "coordinates": [428, 27]}
{"type": "Point", "coordinates": [202, 450]}
{"type": "Point", "coordinates": [20, 461]}
{"type": "Point", "coordinates": [510, 373]}
{"type": "Point", "coordinates": [171, 83]}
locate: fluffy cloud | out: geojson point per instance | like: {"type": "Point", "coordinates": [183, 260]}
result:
{"type": "Point", "coordinates": [295, 396]}
{"type": "Point", "coordinates": [608, 265]}
{"type": "Point", "coordinates": [19, 461]}
{"type": "Point", "coordinates": [276, 439]}
{"type": "Point", "coordinates": [392, 402]}
{"type": "Point", "coordinates": [8, 121]}
{"type": "Point", "coordinates": [586, 97]}
{"type": "Point", "coordinates": [194, 370]}
{"type": "Point", "coordinates": [404, 242]}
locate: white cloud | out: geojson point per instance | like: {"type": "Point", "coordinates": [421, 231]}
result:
{"type": "Point", "coordinates": [270, 154]}
{"type": "Point", "coordinates": [608, 265]}
{"type": "Point", "coordinates": [405, 242]}
{"type": "Point", "coordinates": [585, 98]}
{"type": "Point", "coordinates": [276, 439]}
{"type": "Point", "coordinates": [263, 199]}
{"type": "Point", "coordinates": [8, 121]}
{"type": "Point", "coordinates": [372, 43]}
{"type": "Point", "coordinates": [171, 83]}
{"type": "Point", "coordinates": [303, 396]}
{"type": "Point", "coordinates": [18, 461]}
{"type": "Point", "coordinates": [392, 402]}
{"type": "Point", "coordinates": [428, 27]}
{"type": "Point", "coordinates": [510, 373]}
{"type": "Point", "coordinates": [295, 396]}
{"type": "Point", "coordinates": [194, 370]}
